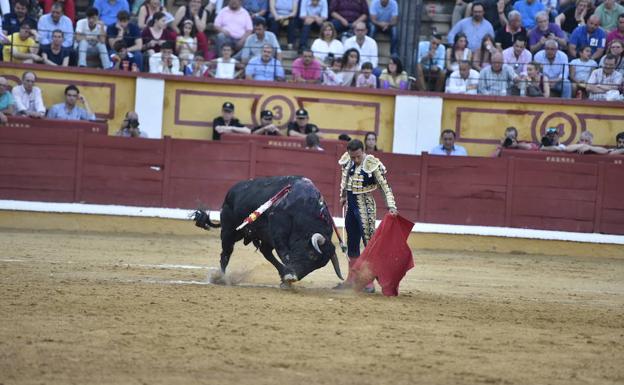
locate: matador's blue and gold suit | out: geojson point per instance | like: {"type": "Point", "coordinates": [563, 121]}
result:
{"type": "Point", "coordinates": [357, 186]}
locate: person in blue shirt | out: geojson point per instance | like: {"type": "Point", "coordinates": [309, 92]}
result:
{"type": "Point", "coordinates": [384, 17]}
{"type": "Point", "coordinates": [53, 21]}
{"type": "Point", "coordinates": [529, 9]}
{"type": "Point", "coordinates": [69, 110]}
{"type": "Point", "coordinates": [110, 8]}
{"type": "Point", "coordinates": [555, 66]}
{"type": "Point", "coordinates": [475, 28]}
{"type": "Point", "coordinates": [448, 146]}
{"type": "Point", "coordinates": [265, 67]}
{"type": "Point", "coordinates": [590, 35]}
{"type": "Point", "coordinates": [430, 64]}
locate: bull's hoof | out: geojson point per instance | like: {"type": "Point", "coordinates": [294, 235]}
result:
{"type": "Point", "coordinates": [216, 277]}
{"type": "Point", "coordinates": [290, 278]}
{"type": "Point", "coordinates": [286, 285]}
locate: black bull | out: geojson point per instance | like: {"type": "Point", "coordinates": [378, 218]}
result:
{"type": "Point", "coordinates": [298, 226]}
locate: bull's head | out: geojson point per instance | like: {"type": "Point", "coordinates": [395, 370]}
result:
{"type": "Point", "coordinates": [311, 253]}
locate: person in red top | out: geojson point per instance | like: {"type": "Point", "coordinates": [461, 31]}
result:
{"type": "Point", "coordinates": [618, 33]}
{"type": "Point", "coordinates": [306, 69]}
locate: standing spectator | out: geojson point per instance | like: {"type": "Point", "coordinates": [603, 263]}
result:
{"type": "Point", "coordinates": [53, 21]}
{"type": "Point", "coordinates": [225, 67]}
{"type": "Point", "coordinates": [384, 18]}
{"type": "Point", "coordinates": [327, 44]}
{"type": "Point", "coordinates": [109, 9]}
{"type": "Point", "coordinates": [350, 66]}
{"type": "Point", "coordinates": [12, 21]}
{"type": "Point", "coordinates": [506, 35]}
{"type": "Point", "coordinates": [482, 57]}
{"type": "Point", "coordinates": [7, 103]}
{"type": "Point", "coordinates": [68, 8]}
{"type": "Point", "coordinates": [54, 54]}
{"type": "Point", "coordinates": [581, 68]}
{"type": "Point", "coordinates": [130, 127]}
{"type": "Point", "coordinates": [366, 79]}
{"type": "Point", "coordinates": [157, 34]}
{"type": "Point", "coordinates": [227, 123]}
{"type": "Point", "coordinates": [198, 16]}
{"type": "Point", "coordinates": [494, 11]}
{"type": "Point", "coordinates": [164, 61]}
{"type": "Point", "coordinates": [616, 48]}
{"type": "Point", "coordinates": [27, 96]}
{"type": "Point", "coordinates": [497, 78]}
{"type": "Point", "coordinates": [464, 80]}
{"type": "Point", "coordinates": [544, 31]}
{"type": "Point", "coordinates": [517, 57]}
{"type": "Point", "coordinates": [619, 145]}
{"type": "Point", "coordinates": [535, 83]}
{"type": "Point", "coordinates": [604, 83]}
{"type": "Point", "coordinates": [394, 76]}
{"type": "Point", "coordinates": [618, 32]}
{"type": "Point", "coordinates": [366, 46]}
{"type": "Point", "coordinates": [147, 12]}
{"type": "Point", "coordinates": [555, 66]}
{"type": "Point", "coordinates": [457, 53]}
{"type": "Point", "coordinates": [313, 14]}
{"type": "Point", "coordinates": [129, 33]}
{"type": "Point", "coordinates": [528, 10]}
{"type": "Point", "coordinates": [266, 126]}
{"type": "Point", "coordinates": [283, 13]}
{"type": "Point", "coordinates": [233, 25]}
{"type": "Point", "coordinates": [306, 69]}
{"type": "Point", "coordinates": [301, 126]}
{"type": "Point", "coordinates": [257, 40]}
{"type": "Point", "coordinates": [448, 146]}
{"type": "Point", "coordinates": [186, 43]}
{"type": "Point", "coordinates": [256, 8]}
{"type": "Point", "coordinates": [574, 15]}
{"type": "Point", "coordinates": [475, 27]}
{"type": "Point", "coordinates": [91, 38]}
{"type": "Point", "coordinates": [608, 13]}
{"type": "Point", "coordinates": [430, 64]}
{"type": "Point", "coordinates": [21, 47]}
{"type": "Point", "coordinates": [265, 67]}
{"type": "Point", "coordinates": [69, 110]}
{"type": "Point", "coordinates": [590, 34]}
{"type": "Point", "coordinates": [370, 142]}
{"type": "Point", "coordinates": [346, 13]}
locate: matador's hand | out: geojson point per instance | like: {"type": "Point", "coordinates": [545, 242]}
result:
{"type": "Point", "coordinates": [393, 212]}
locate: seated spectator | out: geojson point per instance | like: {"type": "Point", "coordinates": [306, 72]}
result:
{"type": "Point", "coordinates": [53, 21]}
{"type": "Point", "coordinates": [69, 110]}
{"type": "Point", "coordinates": [618, 32]}
{"type": "Point", "coordinates": [266, 126]}
{"type": "Point", "coordinates": [551, 8]}
{"type": "Point", "coordinates": [122, 59]}
{"type": "Point", "coordinates": [265, 67]}
{"type": "Point", "coordinates": [457, 53]}
{"type": "Point", "coordinates": [301, 126]}
{"type": "Point", "coordinates": [198, 68]}
{"type": "Point", "coordinates": [283, 13]}
{"type": "Point", "coordinates": [384, 18]}
{"type": "Point", "coordinates": [554, 66]}
{"type": "Point", "coordinates": [616, 48]}
{"type": "Point", "coordinates": [511, 142]}
{"type": "Point", "coordinates": [165, 62]}
{"type": "Point", "coordinates": [580, 69]}
{"type": "Point", "coordinates": [109, 9]}
{"type": "Point", "coordinates": [448, 146]}
{"type": "Point", "coordinates": [327, 44]}
{"type": "Point", "coordinates": [346, 13]}
{"type": "Point", "coordinates": [54, 54]}
{"type": "Point", "coordinates": [198, 16]}
{"type": "Point", "coordinates": [590, 34]}
{"type": "Point", "coordinates": [574, 15]}
{"type": "Point", "coordinates": [517, 56]}
{"type": "Point", "coordinates": [27, 97]}
{"type": "Point", "coordinates": [186, 43]}
{"type": "Point", "coordinates": [332, 73]}
{"type": "Point", "coordinates": [233, 25]}
{"type": "Point", "coordinates": [12, 21]}
{"type": "Point", "coordinates": [225, 67]}
{"type": "Point", "coordinates": [227, 123]}
{"type": "Point", "coordinates": [7, 103]}
{"type": "Point", "coordinates": [608, 13]}
{"type": "Point", "coordinates": [313, 14]}
{"type": "Point", "coordinates": [482, 58]}
{"type": "Point", "coordinates": [256, 8]}
{"type": "Point", "coordinates": [366, 79]}
{"type": "Point", "coordinates": [545, 31]}
{"type": "Point", "coordinates": [91, 38]}
{"type": "Point", "coordinates": [130, 126]}
{"type": "Point", "coordinates": [430, 64]}
{"type": "Point", "coordinates": [528, 10]}
{"type": "Point", "coordinates": [215, 6]}
{"type": "Point", "coordinates": [350, 67]}
{"type": "Point", "coordinates": [148, 10]}
{"type": "Point", "coordinates": [506, 35]}
{"type": "Point", "coordinates": [535, 83]}
{"type": "Point", "coordinates": [258, 39]}
{"type": "Point", "coordinates": [494, 11]}
{"type": "Point", "coordinates": [605, 83]}
{"type": "Point", "coordinates": [475, 28]}
{"type": "Point", "coordinates": [21, 47]}
{"type": "Point", "coordinates": [550, 141]}
{"type": "Point", "coordinates": [157, 34]}
{"type": "Point", "coordinates": [306, 69]}
{"type": "Point", "coordinates": [130, 34]}
{"type": "Point", "coordinates": [585, 145]}
{"type": "Point", "coordinates": [619, 145]}
{"type": "Point", "coordinates": [366, 46]}
{"type": "Point", "coordinates": [464, 80]}
{"type": "Point", "coordinates": [370, 142]}
{"type": "Point", "coordinates": [394, 77]}
{"type": "Point", "coordinates": [498, 78]}
{"type": "Point", "coordinates": [313, 142]}
{"type": "Point", "coordinates": [68, 8]}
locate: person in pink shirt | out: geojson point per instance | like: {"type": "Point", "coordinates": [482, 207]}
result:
{"type": "Point", "coordinates": [366, 79]}
{"type": "Point", "coordinates": [233, 25]}
{"type": "Point", "coordinates": [306, 69]}
{"type": "Point", "coordinates": [618, 32]}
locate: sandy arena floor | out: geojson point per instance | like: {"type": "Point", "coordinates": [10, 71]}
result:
{"type": "Point", "coordinates": [98, 308]}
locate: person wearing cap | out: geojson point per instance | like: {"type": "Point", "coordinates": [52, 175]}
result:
{"type": "Point", "coordinates": [302, 126]}
{"type": "Point", "coordinates": [227, 123]}
{"type": "Point", "coordinates": [266, 126]}
{"type": "Point", "coordinates": [550, 141]}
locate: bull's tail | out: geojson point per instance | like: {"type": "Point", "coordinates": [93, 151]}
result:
{"type": "Point", "coordinates": [202, 219]}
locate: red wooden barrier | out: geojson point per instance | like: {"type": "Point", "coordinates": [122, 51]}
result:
{"type": "Point", "coordinates": [93, 127]}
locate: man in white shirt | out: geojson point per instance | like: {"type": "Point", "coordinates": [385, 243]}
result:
{"type": "Point", "coordinates": [463, 81]}
{"type": "Point", "coordinates": [28, 100]}
{"type": "Point", "coordinates": [366, 46]}
{"type": "Point", "coordinates": [165, 62]}
{"type": "Point", "coordinates": [604, 83]}
{"type": "Point", "coordinates": [91, 38]}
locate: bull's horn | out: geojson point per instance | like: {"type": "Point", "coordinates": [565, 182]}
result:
{"type": "Point", "coordinates": [317, 239]}
{"type": "Point", "coordinates": [334, 261]}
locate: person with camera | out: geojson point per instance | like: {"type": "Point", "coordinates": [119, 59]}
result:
{"type": "Point", "coordinates": [511, 142]}
{"type": "Point", "coordinates": [69, 110]}
{"type": "Point", "coordinates": [130, 127]}
{"type": "Point", "coordinates": [550, 141]}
